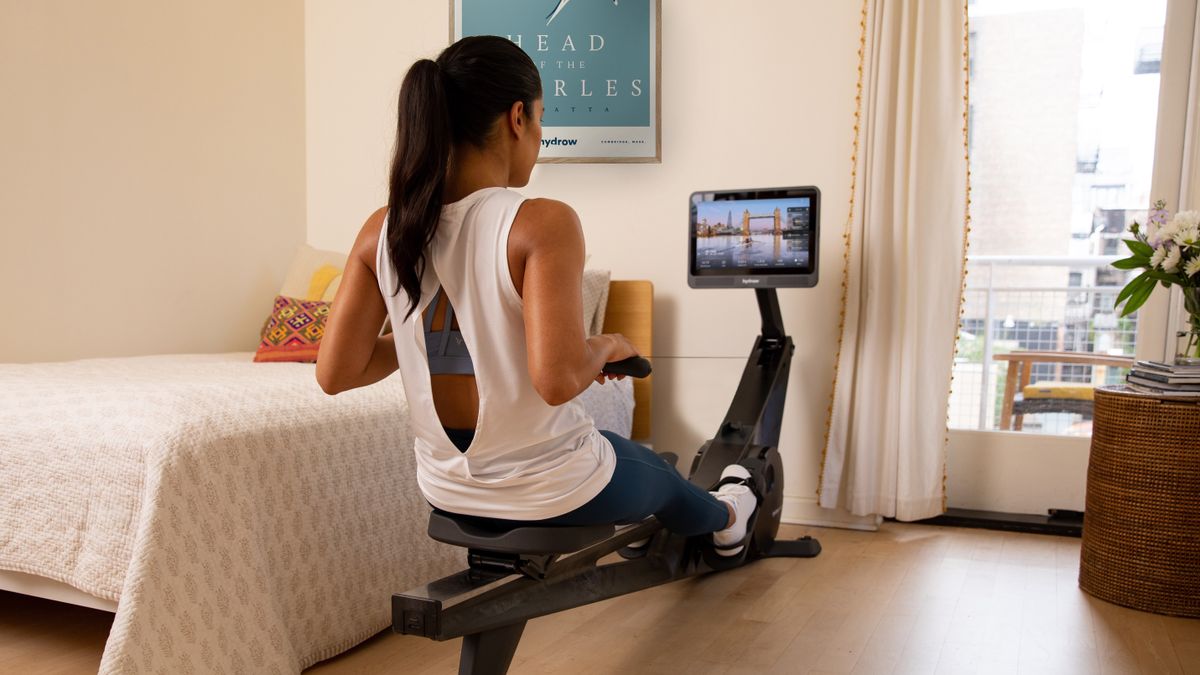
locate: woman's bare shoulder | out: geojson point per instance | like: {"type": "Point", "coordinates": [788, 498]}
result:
{"type": "Point", "coordinates": [548, 209]}
{"type": "Point", "coordinates": [367, 243]}
{"type": "Point", "coordinates": [547, 221]}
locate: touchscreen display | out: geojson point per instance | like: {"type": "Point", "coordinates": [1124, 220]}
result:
{"type": "Point", "coordinates": [770, 236]}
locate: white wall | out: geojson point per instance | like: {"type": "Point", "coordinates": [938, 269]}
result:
{"type": "Point", "coordinates": [798, 55]}
{"type": "Point", "coordinates": [151, 173]}
{"type": "Point", "coordinates": [1015, 472]}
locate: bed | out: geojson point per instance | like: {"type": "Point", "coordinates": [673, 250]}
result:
{"type": "Point", "coordinates": [234, 517]}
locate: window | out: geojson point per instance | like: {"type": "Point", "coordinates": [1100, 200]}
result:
{"type": "Point", "coordinates": [1061, 134]}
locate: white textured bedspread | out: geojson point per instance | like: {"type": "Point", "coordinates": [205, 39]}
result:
{"type": "Point", "coordinates": [245, 521]}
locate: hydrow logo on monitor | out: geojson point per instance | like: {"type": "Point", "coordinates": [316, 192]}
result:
{"type": "Point", "coordinates": [750, 281]}
{"type": "Point", "coordinates": [547, 142]}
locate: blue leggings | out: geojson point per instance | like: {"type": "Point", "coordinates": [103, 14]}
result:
{"type": "Point", "coordinates": [643, 484]}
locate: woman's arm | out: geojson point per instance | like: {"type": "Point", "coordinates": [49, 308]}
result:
{"type": "Point", "coordinates": [546, 256]}
{"type": "Point", "coordinates": [352, 354]}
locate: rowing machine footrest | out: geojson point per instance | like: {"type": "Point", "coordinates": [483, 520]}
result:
{"type": "Point", "coordinates": [485, 534]}
{"type": "Point", "coordinates": [804, 547]}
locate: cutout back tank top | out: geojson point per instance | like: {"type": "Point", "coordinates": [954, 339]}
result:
{"type": "Point", "coordinates": [528, 460]}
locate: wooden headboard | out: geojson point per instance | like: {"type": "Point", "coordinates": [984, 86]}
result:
{"type": "Point", "coordinates": [630, 312]}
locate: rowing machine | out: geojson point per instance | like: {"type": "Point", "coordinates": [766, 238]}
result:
{"type": "Point", "coordinates": [517, 574]}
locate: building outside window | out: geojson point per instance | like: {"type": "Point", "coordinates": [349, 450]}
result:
{"type": "Point", "coordinates": [1062, 144]}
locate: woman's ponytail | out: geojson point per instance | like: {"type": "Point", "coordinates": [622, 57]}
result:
{"type": "Point", "coordinates": [445, 103]}
{"type": "Point", "coordinates": [418, 176]}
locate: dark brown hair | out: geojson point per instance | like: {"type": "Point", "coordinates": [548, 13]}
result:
{"type": "Point", "coordinates": [452, 101]}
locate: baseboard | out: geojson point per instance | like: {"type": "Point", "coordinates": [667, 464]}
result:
{"type": "Point", "coordinates": [806, 511]}
{"type": "Point", "coordinates": [1063, 524]}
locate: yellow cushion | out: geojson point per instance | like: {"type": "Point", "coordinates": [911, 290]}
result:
{"type": "Point", "coordinates": [331, 290]}
{"type": "Point", "coordinates": [308, 274]}
{"type": "Point", "coordinates": [1072, 390]}
{"type": "Point", "coordinates": [326, 279]}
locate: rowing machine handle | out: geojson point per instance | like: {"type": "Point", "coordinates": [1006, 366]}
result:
{"type": "Point", "coordinates": [634, 366]}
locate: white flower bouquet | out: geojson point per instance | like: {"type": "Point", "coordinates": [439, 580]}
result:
{"type": "Point", "coordinates": [1168, 250]}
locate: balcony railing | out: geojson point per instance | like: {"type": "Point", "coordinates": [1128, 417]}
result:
{"type": "Point", "coordinates": [1021, 303]}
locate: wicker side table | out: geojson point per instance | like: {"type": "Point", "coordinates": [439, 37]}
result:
{"type": "Point", "coordinates": [1141, 525]}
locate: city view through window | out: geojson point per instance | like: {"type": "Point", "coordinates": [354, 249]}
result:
{"type": "Point", "coordinates": [1063, 108]}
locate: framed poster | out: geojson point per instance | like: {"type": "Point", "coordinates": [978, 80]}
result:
{"type": "Point", "coordinates": [599, 61]}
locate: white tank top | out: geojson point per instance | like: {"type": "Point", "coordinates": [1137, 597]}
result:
{"type": "Point", "coordinates": [529, 460]}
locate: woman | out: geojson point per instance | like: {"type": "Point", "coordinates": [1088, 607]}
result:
{"type": "Point", "coordinates": [483, 289]}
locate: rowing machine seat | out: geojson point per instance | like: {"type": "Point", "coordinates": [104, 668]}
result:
{"type": "Point", "coordinates": [485, 534]}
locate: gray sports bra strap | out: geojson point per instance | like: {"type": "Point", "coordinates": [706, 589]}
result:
{"type": "Point", "coordinates": [449, 355]}
{"type": "Point", "coordinates": [447, 323]}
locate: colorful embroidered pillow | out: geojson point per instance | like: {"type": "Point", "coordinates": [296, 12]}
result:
{"type": "Point", "coordinates": [293, 331]}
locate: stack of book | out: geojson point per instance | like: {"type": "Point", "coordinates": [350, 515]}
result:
{"type": "Point", "coordinates": [1164, 379]}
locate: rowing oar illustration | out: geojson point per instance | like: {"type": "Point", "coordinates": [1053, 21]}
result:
{"type": "Point", "coordinates": [559, 7]}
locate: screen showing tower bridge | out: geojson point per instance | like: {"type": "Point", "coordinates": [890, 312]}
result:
{"type": "Point", "coordinates": [759, 238]}
{"type": "Point", "coordinates": [760, 235]}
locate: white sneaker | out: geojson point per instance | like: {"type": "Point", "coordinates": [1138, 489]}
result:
{"type": "Point", "coordinates": [730, 541]}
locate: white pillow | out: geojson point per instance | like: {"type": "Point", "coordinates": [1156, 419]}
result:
{"type": "Point", "coordinates": [611, 405]}
{"type": "Point", "coordinates": [595, 299]}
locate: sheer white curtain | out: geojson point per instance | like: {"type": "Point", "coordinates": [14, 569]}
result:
{"type": "Point", "coordinates": [905, 251]}
{"type": "Point", "coordinates": [1176, 160]}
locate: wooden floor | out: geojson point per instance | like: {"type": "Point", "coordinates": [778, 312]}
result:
{"type": "Point", "coordinates": [906, 599]}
